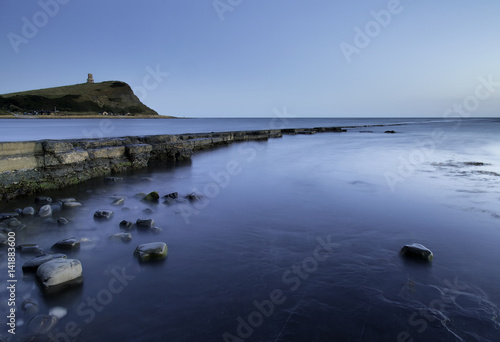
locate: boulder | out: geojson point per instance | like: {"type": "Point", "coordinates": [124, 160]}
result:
{"type": "Point", "coordinates": [43, 200]}
{"type": "Point", "coordinates": [45, 211]}
{"type": "Point", "coordinates": [172, 195]}
{"type": "Point", "coordinates": [417, 251]}
{"type": "Point", "coordinates": [59, 273]}
{"type": "Point", "coordinates": [67, 244]}
{"type": "Point", "coordinates": [146, 223]}
{"type": "Point", "coordinates": [126, 225]}
{"type": "Point", "coordinates": [67, 200]}
{"type": "Point", "coordinates": [192, 197]}
{"type": "Point", "coordinates": [390, 132]}
{"type": "Point", "coordinates": [125, 237]}
{"type": "Point", "coordinates": [103, 214]}
{"type": "Point", "coordinates": [71, 205]}
{"type": "Point", "coordinates": [28, 211]}
{"type": "Point", "coordinates": [151, 251]}
{"type": "Point", "coordinates": [30, 248]}
{"type": "Point", "coordinates": [62, 221]}
{"type": "Point", "coordinates": [33, 264]}
{"type": "Point", "coordinates": [152, 197]}
{"type": "Point", "coordinates": [118, 201]}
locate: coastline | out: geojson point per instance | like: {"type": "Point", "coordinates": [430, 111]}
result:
{"type": "Point", "coordinates": [28, 167]}
{"type": "Point", "coordinates": [48, 117]}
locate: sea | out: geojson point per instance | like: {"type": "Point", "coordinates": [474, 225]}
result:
{"type": "Point", "coordinates": [292, 239]}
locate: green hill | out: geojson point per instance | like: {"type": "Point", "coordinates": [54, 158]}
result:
{"type": "Point", "coordinates": [105, 98]}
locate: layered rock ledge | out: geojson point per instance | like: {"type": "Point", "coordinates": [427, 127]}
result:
{"type": "Point", "coordinates": [32, 166]}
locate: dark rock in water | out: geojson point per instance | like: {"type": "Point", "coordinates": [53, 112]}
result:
{"type": "Point", "coordinates": [67, 200]}
{"type": "Point", "coordinates": [56, 207]}
{"type": "Point", "coordinates": [71, 205]}
{"type": "Point", "coordinates": [103, 214]}
{"type": "Point", "coordinates": [62, 221]}
{"type": "Point", "coordinates": [57, 274]}
{"type": "Point", "coordinates": [152, 197]}
{"type": "Point", "coordinates": [118, 201]}
{"type": "Point", "coordinates": [12, 223]}
{"type": "Point", "coordinates": [42, 324]}
{"type": "Point", "coordinates": [33, 264]}
{"type": "Point", "coordinates": [390, 132]}
{"type": "Point", "coordinates": [146, 223]}
{"type": "Point", "coordinates": [43, 200]}
{"type": "Point", "coordinates": [156, 230]}
{"type": "Point", "coordinates": [30, 306]}
{"type": "Point", "coordinates": [67, 244]}
{"type": "Point", "coordinates": [126, 225]}
{"type": "Point", "coordinates": [7, 216]}
{"type": "Point", "coordinates": [365, 131]}
{"type": "Point", "coordinates": [172, 195]}
{"type": "Point", "coordinates": [192, 197]}
{"type": "Point", "coordinates": [418, 251]}
{"type": "Point", "coordinates": [146, 179]}
{"type": "Point", "coordinates": [30, 248]}
{"type": "Point", "coordinates": [148, 211]}
{"type": "Point", "coordinates": [125, 237]}
{"type": "Point", "coordinates": [19, 211]}
{"type": "Point", "coordinates": [28, 211]}
{"type": "Point", "coordinates": [45, 211]}
{"type": "Point", "coordinates": [113, 179]}
{"type": "Point", "coordinates": [151, 251]}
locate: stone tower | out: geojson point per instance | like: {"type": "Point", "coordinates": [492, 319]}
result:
{"type": "Point", "coordinates": [90, 79]}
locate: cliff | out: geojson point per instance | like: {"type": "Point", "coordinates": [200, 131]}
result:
{"type": "Point", "coordinates": [110, 98]}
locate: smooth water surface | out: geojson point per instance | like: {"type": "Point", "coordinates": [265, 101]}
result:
{"type": "Point", "coordinates": [294, 239]}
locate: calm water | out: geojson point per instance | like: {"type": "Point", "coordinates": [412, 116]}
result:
{"type": "Point", "coordinates": [299, 242]}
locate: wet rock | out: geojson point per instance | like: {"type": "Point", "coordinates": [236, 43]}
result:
{"type": "Point", "coordinates": [126, 225]}
{"type": "Point", "coordinates": [28, 211]}
{"type": "Point", "coordinates": [151, 251]}
{"type": "Point", "coordinates": [42, 324]}
{"type": "Point", "coordinates": [113, 179]}
{"type": "Point", "coordinates": [172, 195]}
{"type": "Point", "coordinates": [71, 205]}
{"type": "Point", "coordinates": [156, 230]}
{"type": "Point", "coordinates": [192, 197]}
{"type": "Point", "coordinates": [67, 200]}
{"type": "Point", "coordinates": [146, 223]}
{"type": "Point", "coordinates": [30, 306]}
{"type": "Point", "coordinates": [56, 207]}
{"type": "Point", "coordinates": [152, 197]}
{"type": "Point", "coordinates": [125, 237]}
{"type": "Point", "coordinates": [67, 244]}
{"type": "Point", "coordinates": [56, 274]}
{"type": "Point", "coordinates": [118, 201]}
{"type": "Point", "coordinates": [45, 211]}
{"type": "Point", "coordinates": [33, 264]}
{"type": "Point", "coordinates": [29, 248]}
{"type": "Point", "coordinates": [62, 221]}
{"type": "Point", "coordinates": [417, 251]}
{"type": "Point", "coordinates": [6, 216]}
{"type": "Point", "coordinates": [390, 132]}
{"type": "Point", "coordinates": [148, 211]}
{"type": "Point", "coordinates": [58, 311]}
{"type": "Point", "coordinates": [43, 200]}
{"type": "Point", "coordinates": [103, 214]}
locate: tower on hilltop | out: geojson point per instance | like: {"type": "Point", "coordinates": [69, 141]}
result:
{"type": "Point", "coordinates": [90, 78]}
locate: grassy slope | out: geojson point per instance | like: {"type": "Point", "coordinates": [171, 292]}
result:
{"type": "Point", "coordinates": [85, 98]}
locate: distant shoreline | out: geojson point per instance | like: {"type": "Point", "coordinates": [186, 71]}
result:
{"type": "Point", "coordinates": [76, 117]}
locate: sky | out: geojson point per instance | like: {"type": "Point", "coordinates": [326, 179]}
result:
{"type": "Point", "coordinates": [248, 58]}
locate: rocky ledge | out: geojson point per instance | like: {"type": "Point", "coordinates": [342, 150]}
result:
{"type": "Point", "coordinates": [33, 166]}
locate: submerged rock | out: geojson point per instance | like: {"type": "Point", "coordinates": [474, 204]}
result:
{"type": "Point", "coordinates": [33, 264]}
{"type": "Point", "coordinates": [58, 311]}
{"type": "Point", "coordinates": [146, 223]}
{"type": "Point", "coordinates": [59, 273]}
{"type": "Point", "coordinates": [126, 225]}
{"type": "Point", "coordinates": [67, 244]}
{"type": "Point", "coordinates": [151, 251]}
{"type": "Point", "coordinates": [113, 179]}
{"type": "Point", "coordinates": [152, 197]}
{"type": "Point", "coordinates": [125, 237]}
{"type": "Point", "coordinates": [192, 197]}
{"type": "Point", "coordinates": [418, 251]}
{"type": "Point", "coordinates": [103, 214]}
{"type": "Point", "coordinates": [62, 221]}
{"type": "Point", "coordinates": [45, 211]}
{"type": "Point", "coordinates": [30, 306]}
{"type": "Point", "coordinates": [43, 200]}
{"type": "Point", "coordinates": [118, 201]}
{"type": "Point", "coordinates": [148, 211]}
{"type": "Point", "coordinates": [30, 248]}
{"type": "Point", "coordinates": [42, 324]}
{"type": "Point", "coordinates": [146, 179]}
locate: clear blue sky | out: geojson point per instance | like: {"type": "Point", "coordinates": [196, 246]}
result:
{"type": "Point", "coordinates": [242, 58]}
